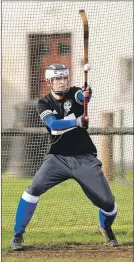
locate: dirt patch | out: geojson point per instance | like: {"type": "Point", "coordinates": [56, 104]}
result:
{"type": "Point", "coordinates": [73, 250]}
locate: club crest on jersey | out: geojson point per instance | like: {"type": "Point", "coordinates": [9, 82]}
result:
{"type": "Point", "coordinates": [67, 106]}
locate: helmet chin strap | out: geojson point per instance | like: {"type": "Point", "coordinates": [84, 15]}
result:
{"type": "Point", "coordinates": [59, 93]}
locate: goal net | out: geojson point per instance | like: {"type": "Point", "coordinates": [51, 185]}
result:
{"type": "Point", "coordinates": [36, 34]}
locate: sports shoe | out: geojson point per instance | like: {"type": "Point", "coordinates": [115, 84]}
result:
{"type": "Point", "coordinates": [109, 236]}
{"type": "Point", "coordinates": [16, 243]}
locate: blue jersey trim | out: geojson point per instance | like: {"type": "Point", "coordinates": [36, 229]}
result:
{"type": "Point", "coordinates": [61, 124]}
{"type": "Point", "coordinates": [80, 96]}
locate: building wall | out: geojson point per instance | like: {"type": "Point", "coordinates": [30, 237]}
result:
{"type": "Point", "coordinates": [110, 38]}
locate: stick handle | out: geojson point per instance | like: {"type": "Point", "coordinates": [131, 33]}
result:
{"type": "Point", "coordinates": [85, 98]}
{"type": "Point", "coordinates": [85, 108]}
{"type": "Point", "coordinates": [86, 35]}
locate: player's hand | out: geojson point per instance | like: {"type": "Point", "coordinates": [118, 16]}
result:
{"type": "Point", "coordinates": [82, 122]}
{"type": "Point", "coordinates": [87, 92]}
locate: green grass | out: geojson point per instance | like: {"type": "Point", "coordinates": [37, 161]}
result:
{"type": "Point", "coordinates": [129, 176]}
{"type": "Point", "coordinates": [64, 214]}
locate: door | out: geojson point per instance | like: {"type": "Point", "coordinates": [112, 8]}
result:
{"type": "Point", "coordinates": [46, 50]}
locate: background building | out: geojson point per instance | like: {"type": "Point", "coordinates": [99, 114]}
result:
{"type": "Point", "coordinates": [36, 33]}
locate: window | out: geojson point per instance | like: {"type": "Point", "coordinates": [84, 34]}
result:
{"type": "Point", "coordinates": [129, 69]}
{"type": "Point", "coordinates": [63, 49]}
{"type": "Point", "coordinates": [44, 50]}
{"type": "Point", "coordinates": [126, 80]}
{"type": "Point", "coordinates": [126, 73]}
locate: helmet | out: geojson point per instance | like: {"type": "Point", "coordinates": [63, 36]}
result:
{"type": "Point", "coordinates": [56, 71]}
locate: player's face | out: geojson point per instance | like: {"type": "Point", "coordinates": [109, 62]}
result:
{"type": "Point", "coordinates": [59, 84]}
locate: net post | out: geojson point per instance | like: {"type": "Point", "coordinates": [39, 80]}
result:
{"type": "Point", "coordinates": [107, 147]}
{"type": "Point", "coordinates": [121, 165]}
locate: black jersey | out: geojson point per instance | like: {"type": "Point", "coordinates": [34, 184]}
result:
{"type": "Point", "coordinates": [74, 141]}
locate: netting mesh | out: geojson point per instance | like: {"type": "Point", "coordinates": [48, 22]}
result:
{"type": "Point", "coordinates": [36, 34]}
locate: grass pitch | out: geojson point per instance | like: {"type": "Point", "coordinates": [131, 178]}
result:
{"type": "Point", "coordinates": [64, 215]}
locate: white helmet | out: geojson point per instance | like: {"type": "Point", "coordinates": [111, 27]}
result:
{"type": "Point", "coordinates": [56, 71]}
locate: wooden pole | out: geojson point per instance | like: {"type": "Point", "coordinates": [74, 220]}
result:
{"type": "Point", "coordinates": [107, 147]}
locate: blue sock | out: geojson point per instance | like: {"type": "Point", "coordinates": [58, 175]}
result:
{"type": "Point", "coordinates": [107, 218]}
{"type": "Point", "coordinates": [25, 212]}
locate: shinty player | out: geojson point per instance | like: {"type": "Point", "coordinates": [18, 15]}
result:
{"type": "Point", "coordinates": [72, 155]}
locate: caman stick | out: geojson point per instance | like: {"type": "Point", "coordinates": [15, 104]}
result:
{"type": "Point", "coordinates": [86, 65]}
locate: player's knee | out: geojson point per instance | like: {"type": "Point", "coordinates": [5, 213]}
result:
{"type": "Point", "coordinates": [108, 205]}
{"type": "Point", "coordinates": [34, 190]}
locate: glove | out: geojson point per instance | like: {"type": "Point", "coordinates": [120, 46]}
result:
{"type": "Point", "coordinates": [82, 122]}
{"type": "Point", "coordinates": [87, 92]}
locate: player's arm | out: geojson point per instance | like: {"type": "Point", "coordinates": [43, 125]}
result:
{"type": "Point", "coordinates": [81, 93]}
{"type": "Point", "coordinates": [79, 97]}
{"type": "Point", "coordinates": [61, 124]}
{"type": "Point", "coordinates": [50, 120]}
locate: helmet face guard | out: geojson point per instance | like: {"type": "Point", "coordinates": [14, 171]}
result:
{"type": "Point", "coordinates": [57, 71]}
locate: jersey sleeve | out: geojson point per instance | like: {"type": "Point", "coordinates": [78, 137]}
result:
{"type": "Point", "coordinates": [78, 95]}
{"type": "Point", "coordinates": [56, 126]}
{"type": "Point", "coordinates": [44, 109]}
